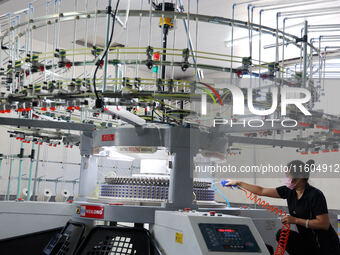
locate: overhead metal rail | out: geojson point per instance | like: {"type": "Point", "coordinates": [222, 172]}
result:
{"type": "Point", "coordinates": [69, 16]}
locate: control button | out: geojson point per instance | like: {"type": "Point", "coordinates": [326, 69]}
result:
{"type": "Point", "coordinates": [249, 244]}
{"type": "Point", "coordinates": [187, 209]}
{"type": "Point", "coordinates": [212, 213]}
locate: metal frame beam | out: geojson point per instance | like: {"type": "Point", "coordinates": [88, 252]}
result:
{"type": "Point", "coordinates": [46, 124]}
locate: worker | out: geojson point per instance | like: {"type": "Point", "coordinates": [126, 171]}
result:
{"type": "Point", "coordinates": [307, 210]}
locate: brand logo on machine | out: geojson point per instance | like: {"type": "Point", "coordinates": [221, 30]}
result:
{"type": "Point", "coordinates": [287, 98]}
{"type": "Point", "coordinates": [108, 137]}
{"type": "Point", "coordinates": [92, 211]}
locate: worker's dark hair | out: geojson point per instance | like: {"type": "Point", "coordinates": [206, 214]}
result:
{"type": "Point", "coordinates": [298, 169]}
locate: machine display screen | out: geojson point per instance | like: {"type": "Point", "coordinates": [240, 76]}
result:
{"type": "Point", "coordinates": [226, 230]}
{"type": "Point", "coordinates": [228, 238]}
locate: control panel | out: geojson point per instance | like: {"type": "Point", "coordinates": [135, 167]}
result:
{"type": "Point", "coordinates": [206, 233]}
{"type": "Point", "coordinates": [228, 237]}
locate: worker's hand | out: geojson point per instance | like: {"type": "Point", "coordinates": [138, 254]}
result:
{"type": "Point", "coordinates": [288, 219]}
{"type": "Point", "coordinates": [232, 183]}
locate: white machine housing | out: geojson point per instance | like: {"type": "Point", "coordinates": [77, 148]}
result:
{"type": "Point", "coordinates": [206, 233]}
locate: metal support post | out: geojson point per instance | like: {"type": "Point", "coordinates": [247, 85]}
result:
{"type": "Point", "coordinates": [20, 170]}
{"type": "Point", "coordinates": [0, 167]}
{"type": "Point", "coordinates": [30, 174]}
{"type": "Point", "coordinates": [305, 54]}
{"type": "Point", "coordinates": [9, 178]}
{"type": "Point", "coordinates": [181, 176]}
{"type": "Point", "coordinates": [107, 42]}
{"type": "Point", "coordinates": [181, 179]}
{"type": "Point", "coordinates": [36, 173]}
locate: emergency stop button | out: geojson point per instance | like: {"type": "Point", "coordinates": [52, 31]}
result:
{"type": "Point", "coordinates": [212, 213]}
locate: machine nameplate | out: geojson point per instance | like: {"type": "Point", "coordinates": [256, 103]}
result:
{"type": "Point", "coordinates": [108, 137]}
{"type": "Point", "coordinates": [92, 211]}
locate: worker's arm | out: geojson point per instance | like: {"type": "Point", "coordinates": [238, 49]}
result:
{"type": "Point", "coordinates": [258, 190]}
{"type": "Point", "coordinates": [321, 221]}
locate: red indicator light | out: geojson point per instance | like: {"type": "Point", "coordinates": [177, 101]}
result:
{"type": "Point", "coordinates": [157, 56]}
{"type": "Point", "coordinates": [304, 124]}
{"type": "Point", "coordinates": [322, 127]}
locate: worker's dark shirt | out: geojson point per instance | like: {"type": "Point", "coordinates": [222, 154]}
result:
{"type": "Point", "coordinates": [311, 204]}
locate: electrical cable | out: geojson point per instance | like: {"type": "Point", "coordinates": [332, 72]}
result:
{"type": "Point", "coordinates": [215, 188]}
{"type": "Point", "coordinates": [154, 5]}
{"type": "Point", "coordinates": [153, 242]}
{"type": "Point", "coordinates": [284, 235]}
{"type": "Point", "coordinates": [213, 90]}
{"type": "Point", "coordinates": [99, 102]}
{"type": "Point", "coordinates": [283, 239]}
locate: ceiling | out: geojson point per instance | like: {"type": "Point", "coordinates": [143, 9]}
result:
{"type": "Point", "coordinates": [209, 37]}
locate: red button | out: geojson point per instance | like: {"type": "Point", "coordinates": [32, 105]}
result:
{"type": "Point", "coordinates": [187, 209]}
{"type": "Point", "coordinates": [212, 213]}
